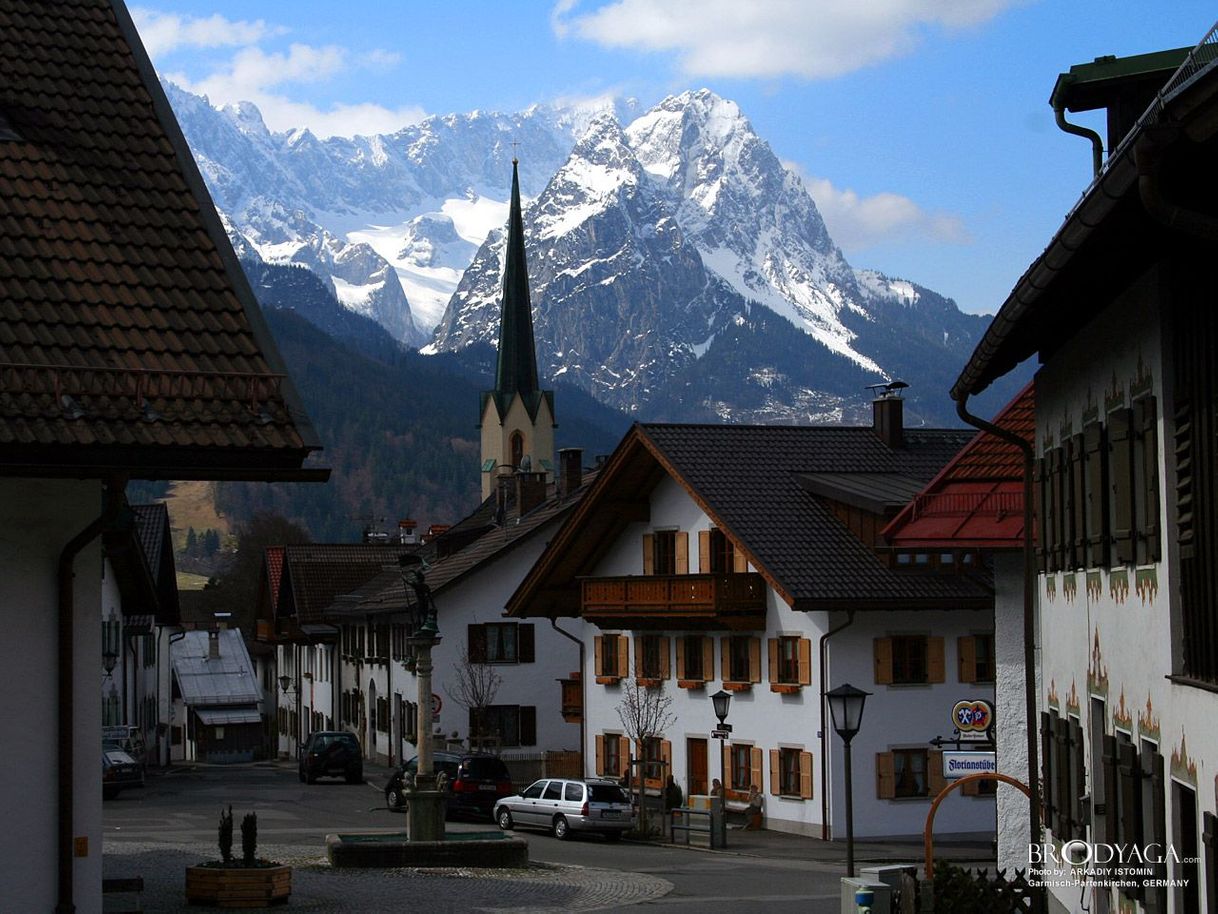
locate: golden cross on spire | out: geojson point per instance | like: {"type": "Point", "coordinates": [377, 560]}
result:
{"type": "Point", "coordinates": [515, 161]}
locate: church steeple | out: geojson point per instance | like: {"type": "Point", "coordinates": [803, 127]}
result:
{"type": "Point", "coordinates": [517, 417]}
{"type": "Point", "coordinates": [516, 371]}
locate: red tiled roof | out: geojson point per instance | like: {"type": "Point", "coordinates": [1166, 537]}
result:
{"type": "Point", "coordinates": [274, 574]}
{"type": "Point", "coordinates": [129, 338]}
{"type": "Point", "coordinates": [977, 500]}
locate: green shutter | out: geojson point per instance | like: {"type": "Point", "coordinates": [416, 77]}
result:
{"type": "Point", "coordinates": [1120, 484]}
{"type": "Point", "coordinates": [1146, 470]}
{"type": "Point", "coordinates": [1095, 495]}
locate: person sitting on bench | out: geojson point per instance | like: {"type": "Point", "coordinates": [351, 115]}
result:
{"type": "Point", "coordinates": [752, 812]}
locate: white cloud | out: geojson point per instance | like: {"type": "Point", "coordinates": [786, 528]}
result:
{"type": "Point", "coordinates": [166, 32]}
{"type": "Point", "coordinates": [262, 77]}
{"type": "Point", "coordinates": [856, 223]}
{"type": "Point", "coordinates": [812, 39]}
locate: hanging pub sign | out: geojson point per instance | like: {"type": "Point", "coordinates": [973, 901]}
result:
{"type": "Point", "coordinates": [973, 718]}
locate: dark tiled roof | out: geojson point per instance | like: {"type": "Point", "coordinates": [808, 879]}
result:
{"type": "Point", "coordinates": [152, 531]}
{"type": "Point", "coordinates": [314, 574]}
{"type": "Point", "coordinates": [977, 500]}
{"type": "Point", "coordinates": [152, 525]}
{"type": "Point", "coordinates": [129, 338]}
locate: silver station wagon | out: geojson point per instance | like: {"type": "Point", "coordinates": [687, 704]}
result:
{"type": "Point", "coordinates": [565, 805]}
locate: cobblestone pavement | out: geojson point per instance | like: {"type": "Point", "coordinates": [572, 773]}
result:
{"type": "Point", "coordinates": [316, 887]}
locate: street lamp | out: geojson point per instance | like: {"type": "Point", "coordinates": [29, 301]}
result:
{"type": "Point", "coordinates": [111, 646]}
{"type": "Point", "coordinates": [846, 705]}
{"type": "Point", "coordinates": [285, 682]}
{"type": "Point", "coordinates": [721, 701]}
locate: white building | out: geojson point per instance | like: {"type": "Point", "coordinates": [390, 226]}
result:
{"type": "Point", "coordinates": [748, 559]}
{"type": "Point", "coordinates": [1120, 311]}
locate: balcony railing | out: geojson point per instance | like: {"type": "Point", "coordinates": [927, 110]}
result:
{"type": "Point", "coordinates": [681, 601]}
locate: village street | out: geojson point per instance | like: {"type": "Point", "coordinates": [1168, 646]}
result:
{"type": "Point", "coordinates": [155, 832]}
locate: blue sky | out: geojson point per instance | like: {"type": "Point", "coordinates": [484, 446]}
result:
{"type": "Point", "coordinates": [922, 127]}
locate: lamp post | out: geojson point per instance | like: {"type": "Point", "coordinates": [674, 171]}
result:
{"type": "Point", "coordinates": [721, 701]}
{"type": "Point", "coordinates": [846, 705]}
{"type": "Point", "coordinates": [426, 810]}
{"type": "Point", "coordinates": [111, 637]}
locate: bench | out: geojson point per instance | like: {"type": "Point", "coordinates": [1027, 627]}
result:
{"type": "Point", "coordinates": [123, 895]}
{"type": "Point", "coordinates": [689, 821]}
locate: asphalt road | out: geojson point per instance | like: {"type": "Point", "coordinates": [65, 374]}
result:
{"type": "Point", "coordinates": [184, 807]}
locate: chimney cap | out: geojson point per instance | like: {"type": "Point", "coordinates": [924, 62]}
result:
{"type": "Point", "coordinates": [888, 389]}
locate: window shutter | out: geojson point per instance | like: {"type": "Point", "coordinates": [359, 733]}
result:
{"type": "Point", "coordinates": [638, 656]}
{"type": "Point", "coordinates": [649, 554]}
{"type": "Point", "coordinates": [1047, 784]}
{"type": "Point", "coordinates": [773, 649]}
{"type": "Point", "coordinates": [1147, 472]}
{"type": "Point", "coordinates": [754, 660]}
{"type": "Point", "coordinates": [1095, 495]}
{"type": "Point", "coordinates": [935, 781]}
{"type": "Point", "coordinates": [528, 725]}
{"type": "Point", "coordinates": [708, 659]}
{"type": "Point", "coordinates": [882, 648]}
{"type": "Point", "coordinates": [1057, 508]}
{"type": "Point", "coordinates": [805, 775]}
{"type": "Point", "coordinates": [805, 661]}
{"type": "Point", "coordinates": [966, 650]}
{"type": "Point", "coordinates": [598, 666]}
{"type": "Point", "coordinates": [1077, 517]}
{"type": "Point", "coordinates": [727, 767]}
{"type": "Point", "coordinates": [623, 754]}
{"type": "Point", "coordinates": [666, 755]}
{"type": "Point", "coordinates": [680, 646]}
{"type": "Point", "coordinates": [704, 559]}
{"type": "Point", "coordinates": [725, 657]}
{"type": "Point", "coordinates": [775, 774]}
{"type": "Point", "coordinates": [756, 767]}
{"type": "Point", "coordinates": [1129, 776]}
{"type": "Point", "coordinates": [682, 539]}
{"type": "Point", "coordinates": [1063, 802]}
{"type": "Point", "coordinates": [971, 788]}
{"type": "Point", "coordinates": [526, 645]}
{"type": "Point", "coordinates": [740, 564]}
{"type": "Point", "coordinates": [1120, 484]}
{"type": "Point", "coordinates": [477, 643]}
{"type": "Point", "coordinates": [600, 756]}
{"type": "Point", "coordinates": [1111, 792]}
{"type": "Point", "coordinates": [935, 666]}
{"type": "Point", "coordinates": [1044, 529]}
{"type": "Point", "coordinates": [665, 665]}
{"type": "Point", "coordinates": [623, 655]}
{"type": "Point", "coordinates": [1078, 783]}
{"type": "Point", "coordinates": [885, 776]}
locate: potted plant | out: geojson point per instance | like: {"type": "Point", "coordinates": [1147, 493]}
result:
{"type": "Point", "coordinates": [246, 883]}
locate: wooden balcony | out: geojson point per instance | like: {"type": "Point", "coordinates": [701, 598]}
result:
{"type": "Point", "coordinates": [682, 602]}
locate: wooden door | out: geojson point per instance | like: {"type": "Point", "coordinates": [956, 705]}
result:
{"type": "Point", "coordinates": [695, 752]}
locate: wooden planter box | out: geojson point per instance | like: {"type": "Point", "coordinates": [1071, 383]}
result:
{"type": "Point", "coordinates": [238, 887]}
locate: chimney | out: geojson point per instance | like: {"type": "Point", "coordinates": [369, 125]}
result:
{"type": "Point", "coordinates": [888, 414]}
{"type": "Point", "coordinates": [530, 492]}
{"type": "Point", "coordinates": [213, 644]}
{"type": "Point", "coordinates": [570, 469]}
{"type": "Point", "coordinates": [406, 534]}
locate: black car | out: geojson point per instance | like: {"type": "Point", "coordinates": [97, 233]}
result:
{"type": "Point", "coordinates": [119, 770]}
{"type": "Point", "coordinates": [475, 781]}
{"type": "Point", "coordinates": [331, 753]}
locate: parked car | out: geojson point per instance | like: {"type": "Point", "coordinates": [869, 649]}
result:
{"type": "Point", "coordinates": [129, 740]}
{"type": "Point", "coordinates": [475, 781]}
{"type": "Point", "coordinates": [564, 805]}
{"type": "Point", "coordinates": [119, 770]}
{"type": "Point", "coordinates": [331, 753]}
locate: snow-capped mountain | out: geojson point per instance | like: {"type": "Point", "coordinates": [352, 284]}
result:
{"type": "Point", "coordinates": [677, 268]}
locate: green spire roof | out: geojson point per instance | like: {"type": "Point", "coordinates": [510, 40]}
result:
{"type": "Point", "coordinates": [517, 368]}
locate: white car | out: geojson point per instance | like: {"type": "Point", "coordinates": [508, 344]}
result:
{"type": "Point", "coordinates": [566, 805]}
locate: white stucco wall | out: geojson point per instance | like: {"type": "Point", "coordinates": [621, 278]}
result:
{"type": "Point", "coordinates": [37, 518]}
{"type": "Point", "coordinates": [1010, 709]}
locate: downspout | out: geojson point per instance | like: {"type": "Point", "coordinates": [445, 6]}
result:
{"type": "Point", "coordinates": [824, 738]}
{"type": "Point", "coordinates": [1029, 604]}
{"type": "Point", "coordinates": [1097, 143]}
{"type": "Point", "coordinates": [583, 693]}
{"type": "Point", "coordinates": [299, 689]}
{"type": "Point", "coordinates": [174, 637]}
{"type": "Point", "coordinates": [66, 759]}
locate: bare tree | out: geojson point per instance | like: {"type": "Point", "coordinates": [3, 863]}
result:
{"type": "Point", "coordinates": [474, 687]}
{"type": "Point", "coordinates": [645, 712]}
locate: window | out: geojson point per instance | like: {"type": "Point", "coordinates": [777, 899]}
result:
{"type": "Point", "coordinates": [909, 772]}
{"type": "Point", "coordinates": [666, 552]}
{"type": "Point", "coordinates": [553, 791]}
{"type": "Point", "coordinates": [909, 660]}
{"type": "Point", "coordinates": [573, 792]}
{"type": "Point", "coordinates": [653, 759]}
{"type": "Point", "coordinates": [791, 773]}
{"type": "Point", "coordinates": [788, 772]}
{"type": "Point", "coordinates": [506, 725]}
{"type": "Point", "coordinates": [790, 662]}
{"type": "Point", "coordinates": [722, 553]}
{"type": "Point", "coordinates": [742, 659]}
{"type": "Point", "coordinates": [610, 657]}
{"type": "Point", "coordinates": [691, 663]}
{"type": "Point", "coordinates": [516, 450]}
{"type": "Point", "coordinates": [501, 642]}
{"type": "Point", "coordinates": [742, 775]}
{"type": "Point", "coordinates": [651, 655]}
{"type": "Point", "coordinates": [533, 791]}
{"type": "Point", "coordinates": [975, 654]}
{"type": "Point", "coordinates": [610, 759]}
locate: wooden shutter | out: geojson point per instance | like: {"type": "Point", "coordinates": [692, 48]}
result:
{"type": "Point", "coordinates": [773, 651]}
{"type": "Point", "coordinates": [527, 644]}
{"type": "Point", "coordinates": [477, 643]}
{"type": "Point", "coordinates": [805, 661]}
{"type": "Point", "coordinates": [756, 767]}
{"type": "Point", "coordinates": [600, 756]}
{"type": "Point", "coordinates": [528, 725]}
{"type": "Point", "coordinates": [885, 776]}
{"type": "Point", "coordinates": [727, 767]}
{"type": "Point", "coordinates": [966, 655]}
{"type": "Point", "coordinates": [935, 781]}
{"type": "Point", "coordinates": [708, 660]}
{"type": "Point", "coordinates": [775, 773]}
{"type": "Point", "coordinates": [1078, 778]}
{"type": "Point", "coordinates": [740, 564]}
{"type": "Point", "coordinates": [623, 754]}
{"type": "Point", "coordinates": [1057, 508]}
{"type": "Point", "coordinates": [882, 648]}
{"type": "Point", "coordinates": [1095, 495]}
{"type": "Point", "coordinates": [1062, 802]}
{"type": "Point", "coordinates": [680, 658]}
{"type": "Point", "coordinates": [1147, 471]}
{"type": "Point", "coordinates": [666, 756]}
{"type": "Point", "coordinates": [704, 559]}
{"type": "Point", "coordinates": [725, 657]}
{"type": "Point", "coordinates": [623, 655]}
{"type": "Point", "coordinates": [649, 554]}
{"type": "Point", "coordinates": [754, 660]}
{"type": "Point", "coordinates": [682, 539]}
{"type": "Point", "coordinates": [1044, 530]}
{"type": "Point", "coordinates": [935, 666]}
{"type": "Point", "coordinates": [1129, 778]}
{"type": "Point", "coordinates": [805, 775]}
{"type": "Point", "coordinates": [665, 665]}
{"type": "Point", "coordinates": [1155, 827]}
{"type": "Point", "coordinates": [1047, 783]}
{"type": "Point", "coordinates": [638, 656]}
{"type": "Point", "coordinates": [1077, 513]}
{"type": "Point", "coordinates": [1111, 792]}
{"type": "Point", "coordinates": [1120, 483]}
{"type": "Point", "coordinates": [598, 665]}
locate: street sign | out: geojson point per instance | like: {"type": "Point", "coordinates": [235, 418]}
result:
{"type": "Point", "coordinates": [972, 715]}
{"type": "Point", "coordinates": [721, 733]}
{"type": "Point", "coordinates": [726, 728]}
{"type": "Point", "coordinates": [958, 764]}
